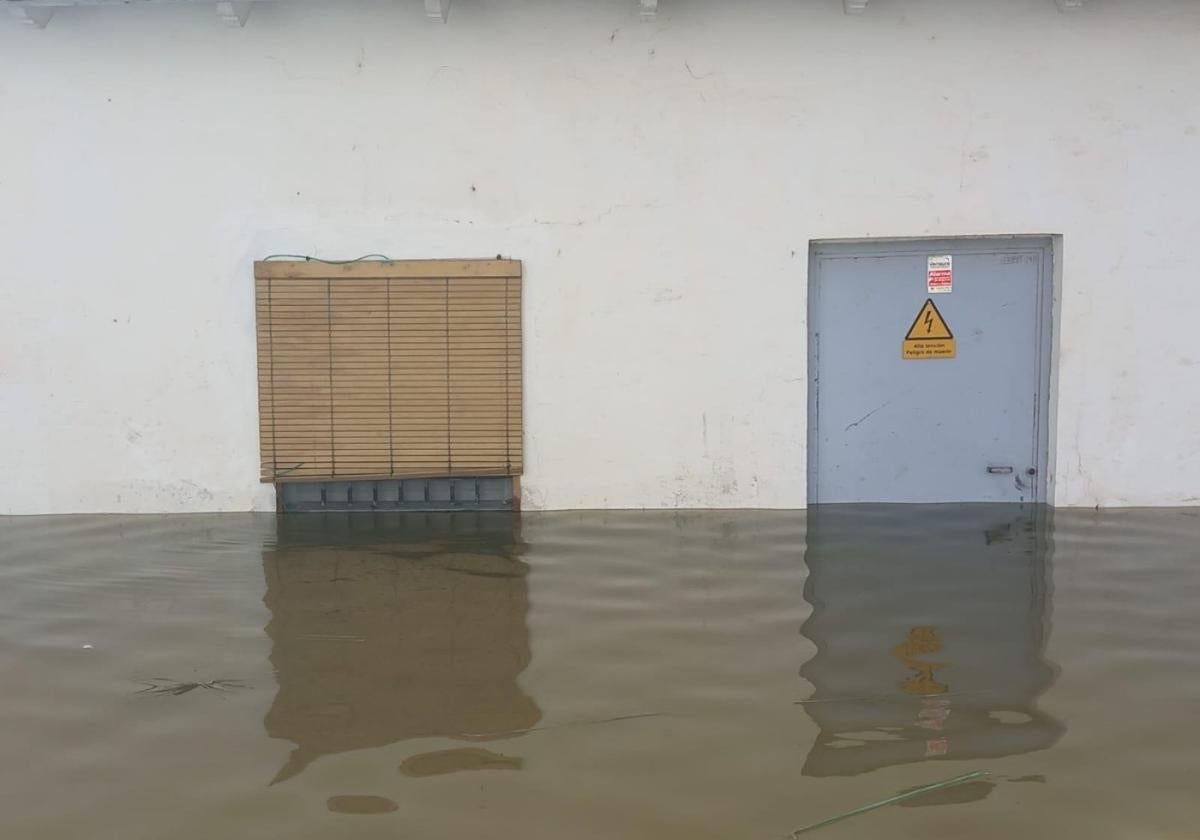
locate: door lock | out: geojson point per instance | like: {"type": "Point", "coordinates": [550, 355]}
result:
{"type": "Point", "coordinates": [1000, 470]}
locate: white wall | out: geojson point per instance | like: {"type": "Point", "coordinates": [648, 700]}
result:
{"type": "Point", "coordinates": [661, 182]}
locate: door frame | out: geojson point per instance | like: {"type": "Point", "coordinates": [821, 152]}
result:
{"type": "Point", "coordinates": [1046, 330]}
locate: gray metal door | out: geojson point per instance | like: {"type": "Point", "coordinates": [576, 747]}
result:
{"type": "Point", "coordinates": [962, 419]}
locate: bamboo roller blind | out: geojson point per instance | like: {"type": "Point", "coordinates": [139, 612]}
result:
{"type": "Point", "coordinates": [381, 369]}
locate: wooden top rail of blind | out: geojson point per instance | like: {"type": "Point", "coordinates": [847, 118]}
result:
{"type": "Point", "coordinates": [291, 269]}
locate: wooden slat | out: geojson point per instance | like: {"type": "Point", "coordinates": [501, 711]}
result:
{"type": "Point", "coordinates": [431, 470]}
{"type": "Point", "coordinates": [399, 412]}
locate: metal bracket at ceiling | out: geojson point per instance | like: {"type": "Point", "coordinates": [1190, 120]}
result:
{"type": "Point", "coordinates": [438, 10]}
{"type": "Point", "coordinates": [36, 16]}
{"type": "Point", "coordinates": [234, 14]}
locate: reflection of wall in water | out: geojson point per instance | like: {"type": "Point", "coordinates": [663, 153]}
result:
{"type": "Point", "coordinates": [398, 626]}
{"type": "Point", "coordinates": [930, 626]}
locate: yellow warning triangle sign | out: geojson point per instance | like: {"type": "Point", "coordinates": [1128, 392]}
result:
{"type": "Point", "coordinates": [929, 324]}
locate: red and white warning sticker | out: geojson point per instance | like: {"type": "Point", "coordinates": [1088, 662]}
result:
{"type": "Point", "coordinates": [940, 277]}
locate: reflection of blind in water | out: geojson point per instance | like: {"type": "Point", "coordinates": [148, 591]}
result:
{"type": "Point", "coordinates": [930, 625]}
{"type": "Point", "coordinates": [395, 626]}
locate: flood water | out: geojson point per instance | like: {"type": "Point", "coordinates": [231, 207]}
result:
{"type": "Point", "coordinates": [595, 675]}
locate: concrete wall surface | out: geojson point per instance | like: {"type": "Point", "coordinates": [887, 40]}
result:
{"type": "Point", "coordinates": [660, 180]}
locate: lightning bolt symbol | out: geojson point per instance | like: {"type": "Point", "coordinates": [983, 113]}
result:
{"type": "Point", "coordinates": [928, 322]}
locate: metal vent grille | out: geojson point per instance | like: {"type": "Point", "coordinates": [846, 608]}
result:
{"type": "Point", "coordinates": [481, 493]}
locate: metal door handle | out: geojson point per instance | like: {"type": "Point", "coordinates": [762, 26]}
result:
{"type": "Point", "coordinates": [1000, 470]}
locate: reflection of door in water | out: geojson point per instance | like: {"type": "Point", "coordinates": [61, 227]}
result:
{"type": "Point", "coordinates": [930, 625]}
{"type": "Point", "coordinates": [397, 626]}
{"type": "Point", "coordinates": [966, 429]}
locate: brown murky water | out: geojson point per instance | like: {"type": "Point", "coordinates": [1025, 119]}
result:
{"type": "Point", "coordinates": [588, 675]}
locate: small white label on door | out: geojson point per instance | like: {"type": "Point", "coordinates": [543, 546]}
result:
{"type": "Point", "coordinates": [940, 277]}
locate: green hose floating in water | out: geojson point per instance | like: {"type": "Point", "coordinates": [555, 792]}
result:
{"type": "Point", "coordinates": [891, 800]}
